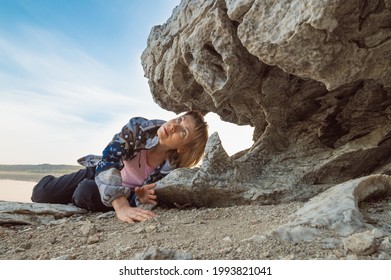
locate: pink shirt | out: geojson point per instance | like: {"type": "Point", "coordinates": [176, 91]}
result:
{"type": "Point", "coordinates": [136, 170]}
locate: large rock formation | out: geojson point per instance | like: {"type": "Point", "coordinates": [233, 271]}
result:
{"type": "Point", "coordinates": [312, 77]}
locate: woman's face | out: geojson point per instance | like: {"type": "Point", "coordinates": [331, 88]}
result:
{"type": "Point", "coordinates": [176, 133]}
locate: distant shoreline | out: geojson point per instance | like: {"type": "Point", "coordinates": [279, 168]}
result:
{"type": "Point", "coordinates": [33, 173]}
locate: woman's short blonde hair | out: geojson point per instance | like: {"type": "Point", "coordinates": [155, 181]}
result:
{"type": "Point", "coordinates": [194, 150]}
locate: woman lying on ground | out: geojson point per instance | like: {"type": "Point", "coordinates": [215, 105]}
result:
{"type": "Point", "coordinates": [124, 176]}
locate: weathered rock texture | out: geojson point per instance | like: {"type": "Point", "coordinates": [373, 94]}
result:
{"type": "Point", "coordinates": [336, 209]}
{"type": "Point", "coordinates": [312, 78]}
{"type": "Point", "coordinates": [35, 213]}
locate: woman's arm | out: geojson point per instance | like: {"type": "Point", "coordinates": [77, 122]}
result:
{"type": "Point", "coordinates": [108, 175]}
{"type": "Point", "coordinates": [129, 214]}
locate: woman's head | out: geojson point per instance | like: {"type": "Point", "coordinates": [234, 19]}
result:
{"type": "Point", "coordinates": [186, 137]}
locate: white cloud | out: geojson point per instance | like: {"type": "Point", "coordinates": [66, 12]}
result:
{"type": "Point", "coordinates": [57, 100]}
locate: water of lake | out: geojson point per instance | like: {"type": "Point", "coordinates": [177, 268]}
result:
{"type": "Point", "coordinates": [11, 190]}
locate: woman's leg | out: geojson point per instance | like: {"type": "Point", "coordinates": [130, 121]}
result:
{"type": "Point", "coordinates": [87, 196]}
{"type": "Point", "coordinates": [60, 190]}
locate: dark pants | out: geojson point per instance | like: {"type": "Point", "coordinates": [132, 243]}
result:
{"type": "Point", "coordinates": [78, 188]}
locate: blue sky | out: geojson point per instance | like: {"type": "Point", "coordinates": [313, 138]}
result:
{"type": "Point", "coordinates": [71, 77]}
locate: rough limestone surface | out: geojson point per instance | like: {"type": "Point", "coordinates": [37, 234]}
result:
{"type": "Point", "coordinates": [35, 213]}
{"type": "Point", "coordinates": [312, 77]}
{"type": "Point", "coordinates": [154, 253]}
{"type": "Point", "coordinates": [362, 243]}
{"type": "Point", "coordinates": [337, 209]}
{"type": "Point", "coordinates": [314, 80]}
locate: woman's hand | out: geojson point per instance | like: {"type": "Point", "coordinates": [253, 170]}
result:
{"type": "Point", "coordinates": [129, 214]}
{"type": "Point", "coordinates": [146, 194]}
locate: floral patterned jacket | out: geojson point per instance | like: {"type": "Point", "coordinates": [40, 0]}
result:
{"type": "Point", "coordinates": [138, 134]}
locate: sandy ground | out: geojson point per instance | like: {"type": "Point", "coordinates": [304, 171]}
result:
{"type": "Point", "coordinates": [203, 234]}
